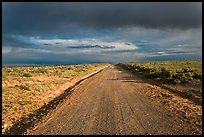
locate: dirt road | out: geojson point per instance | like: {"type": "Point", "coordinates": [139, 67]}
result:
{"type": "Point", "coordinates": [108, 103]}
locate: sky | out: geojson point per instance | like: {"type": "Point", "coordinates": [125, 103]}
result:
{"type": "Point", "coordinates": [46, 33]}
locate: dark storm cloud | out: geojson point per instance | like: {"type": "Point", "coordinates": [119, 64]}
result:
{"type": "Point", "coordinates": [63, 32]}
{"type": "Point", "coordinates": [71, 18]}
{"type": "Point", "coordinates": [16, 41]}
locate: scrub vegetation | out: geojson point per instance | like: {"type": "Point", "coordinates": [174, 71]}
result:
{"type": "Point", "coordinates": [26, 89]}
{"type": "Point", "coordinates": [169, 71]}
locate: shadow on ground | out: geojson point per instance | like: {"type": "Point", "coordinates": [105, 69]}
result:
{"type": "Point", "coordinates": [132, 78]}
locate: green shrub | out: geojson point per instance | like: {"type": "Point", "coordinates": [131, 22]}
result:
{"type": "Point", "coordinates": [177, 81]}
{"type": "Point", "coordinates": [30, 102]}
{"type": "Point", "coordinates": [151, 74]}
{"type": "Point", "coordinates": [169, 71]}
{"type": "Point", "coordinates": [40, 70]}
{"type": "Point", "coordinates": [24, 87]}
{"type": "Point", "coordinates": [197, 76]}
{"type": "Point", "coordinates": [27, 75]}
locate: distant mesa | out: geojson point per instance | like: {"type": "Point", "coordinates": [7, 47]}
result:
{"type": "Point", "coordinates": [57, 43]}
{"type": "Point", "coordinates": [96, 46]}
{"type": "Point", "coordinates": [91, 46]}
{"type": "Point", "coordinates": [46, 44]}
{"type": "Point", "coordinates": [103, 47]}
{"type": "Point", "coordinates": [109, 47]}
{"type": "Point", "coordinates": [180, 52]}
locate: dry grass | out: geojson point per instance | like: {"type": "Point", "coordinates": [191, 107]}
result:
{"type": "Point", "coordinates": [26, 89]}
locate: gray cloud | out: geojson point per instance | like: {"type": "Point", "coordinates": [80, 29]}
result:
{"type": "Point", "coordinates": [17, 41]}
{"type": "Point", "coordinates": [63, 18]}
{"type": "Point", "coordinates": [122, 31]}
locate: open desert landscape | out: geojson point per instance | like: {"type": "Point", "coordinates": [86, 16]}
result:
{"type": "Point", "coordinates": [102, 68]}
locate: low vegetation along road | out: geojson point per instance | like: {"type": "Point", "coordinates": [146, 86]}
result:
{"type": "Point", "coordinates": [113, 101]}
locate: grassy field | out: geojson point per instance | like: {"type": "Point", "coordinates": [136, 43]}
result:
{"type": "Point", "coordinates": [182, 77]}
{"type": "Point", "coordinates": [26, 89]}
{"type": "Point", "coordinates": [170, 71]}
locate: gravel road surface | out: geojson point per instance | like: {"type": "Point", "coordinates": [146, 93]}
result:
{"type": "Point", "coordinates": [107, 104]}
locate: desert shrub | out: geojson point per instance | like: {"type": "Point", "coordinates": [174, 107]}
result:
{"type": "Point", "coordinates": [24, 102]}
{"type": "Point", "coordinates": [169, 71]}
{"type": "Point", "coordinates": [176, 81]}
{"type": "Point", "coordinates": [149, 74]}
{"type": "Point", "coordinates": [27, 75]}
{"type": "Point", "coordinates": [24, 87]}
{"type": "Point", "coordinates": [29, 102]}
{"type": "Point", "coordinates": [197, 76]}
{"type": "Point", "coordinates": [39, 70]}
